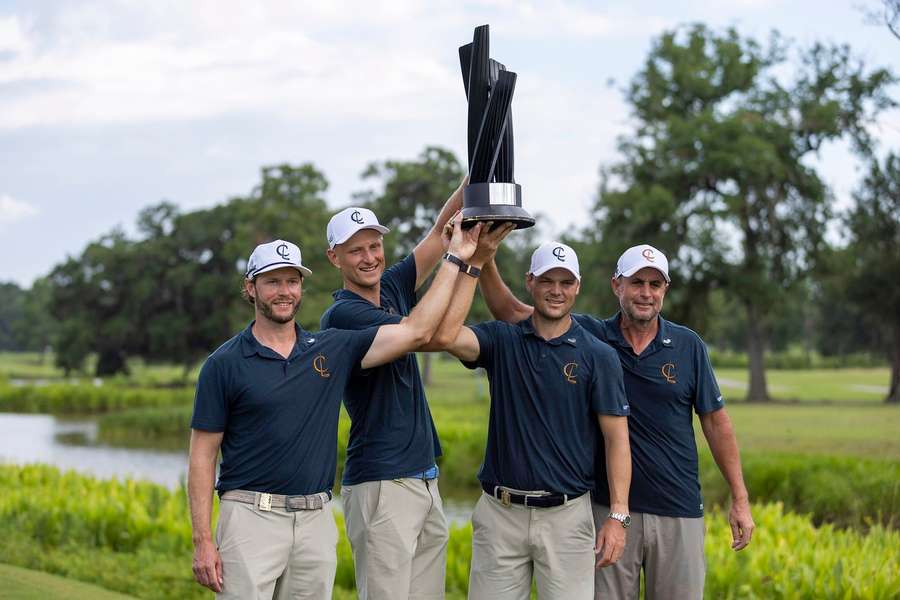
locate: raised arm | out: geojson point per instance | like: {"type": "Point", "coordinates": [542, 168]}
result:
{"type": "Point", "coordinates": [719, 433]}
{"type": "Point", "coordinates": [611, 536]}
{"type": "Point", "coordinates": [499, 299]}
{"type": "Point", "coordinates": [393, 341]}
{"type": "Point", "coordinates": [201, 480]}
{"type": "Point", "coordinates": [428, 252]}
{"type": "Point", "coordinates": [461, 302]}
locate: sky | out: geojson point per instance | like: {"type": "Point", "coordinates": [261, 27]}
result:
{"type": "Point", "coordinates": [107, 107]}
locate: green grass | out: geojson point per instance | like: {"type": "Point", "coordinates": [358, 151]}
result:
{"type": "Point", "coordinates": [24, 584]}
{"type": "Point", "coordinates": [812, 385]}
{"type": "Point", "coordinates": [135, 537]}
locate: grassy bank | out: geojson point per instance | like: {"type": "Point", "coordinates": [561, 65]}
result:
{"type": "Point", "coordinates": [135, 538]}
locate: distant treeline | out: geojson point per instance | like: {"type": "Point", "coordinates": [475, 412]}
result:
{"type": "Point", "coordinates": [717, 173]}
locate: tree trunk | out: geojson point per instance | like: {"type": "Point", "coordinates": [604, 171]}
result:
{"type": "Point", "coordinates": [426, 368]}
{"type": "Point", "coordinates": [893, 396]}
{"type": "Point", "coordinates": [757, 391]}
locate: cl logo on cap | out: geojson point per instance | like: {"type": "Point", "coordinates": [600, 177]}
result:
{"type": "Point", "coordinates": [319, 366]}
{"type": "Point", "coordinates": [356, 217]}
{"type": "Point", "coordinates": [282, 251]}
{"type": "Point", "coordinates": [648, 254]}
{"type": "Point", "coordinates": [569, 372]}
{"type": "Point", "coordinates": [668, 371]}
{"type": "Point", "coordinates": [560, 253]}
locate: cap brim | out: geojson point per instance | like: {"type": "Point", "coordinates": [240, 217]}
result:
{"type": "Point", "coordinates": [379, 228]}
{"type": "Point", "coordinates": [542, 270]}
{"type": "Point", "coordinates": [634, 270]}
{"type": "Point", "coordinates": [303, 270]}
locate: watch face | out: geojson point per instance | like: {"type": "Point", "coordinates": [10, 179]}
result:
{"type": "Point", "coordinates": [627, 521]}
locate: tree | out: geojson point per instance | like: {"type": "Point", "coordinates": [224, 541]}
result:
{"type": "Point", "coordinates": [874, 249]}
{"type": "Point", "coordinates": [717, 173]}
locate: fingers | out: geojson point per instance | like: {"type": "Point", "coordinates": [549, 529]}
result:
{"type": "Point", "coordinates": [741, 533]}
{"type": "Point", "coordinates": [609, 549]}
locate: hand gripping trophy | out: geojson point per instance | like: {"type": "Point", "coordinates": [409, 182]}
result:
{"type": "Point", "coordinates": [492, 194]}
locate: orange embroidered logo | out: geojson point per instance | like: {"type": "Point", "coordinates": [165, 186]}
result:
{"type": "Point", "coordinates": [668, 371]}
{"type": "Point", "coordinates": [319, 366]}
{"type": "Point", "coordinates": [569, 372]}
{"type": "Point", "coordinates": [648, 254]}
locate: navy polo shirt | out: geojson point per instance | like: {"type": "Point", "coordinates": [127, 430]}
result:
{"type": "Point", "coordinates": [545, 397]}
{"type": "Point", "coordinates": [279, 415]}
{"type": "Point", "coordinates": [670, 379]}
{"type": "Point", "coordinates": [392, 433]}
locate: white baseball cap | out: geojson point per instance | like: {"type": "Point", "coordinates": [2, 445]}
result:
{"type": "Point", "coordinates": [637, 257]}
{"type": "Point", "coordinates": [343, 225]}
{"type": "Point", "coordinates": [551, 255]}
{"type": "Point", "coordinates": [275, 255]}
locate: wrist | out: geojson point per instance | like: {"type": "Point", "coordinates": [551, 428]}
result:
{"type": "Point", "coordinates": [202, 538]}
{"type": "Point", "coordinates": [468, 269]}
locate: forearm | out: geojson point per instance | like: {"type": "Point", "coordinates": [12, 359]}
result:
{"type": "Point", "coordinates": [452, 322]}
{"type": "Point", "coordinates": [618, 461]}
{"type": "Point", "coordinates": [201, 481]}
{"type": "Point", "coordinates": [499, 299]}
{"type": "Point", "coordinates": [424, 319]}
{"type": "Point", "coordinates": [719, 433]}
{"type": "Point", "coordinates": [428, 251]}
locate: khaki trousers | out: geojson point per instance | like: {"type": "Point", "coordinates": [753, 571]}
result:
{"type": "Point", "coordinates": [276, 554]}
{"type": "Point", "coordinates": [669, 549]}
{"type": "Point", "coordinates": [398, 533]}
{"type": "Point", "coordinates": [510, 543]}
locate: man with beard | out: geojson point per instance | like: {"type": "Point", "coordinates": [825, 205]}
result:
{"type": "Point", "coordinates": [392, 506]}
{"type": "Point", "coordinates": [270, 399]}
{"type": "Point", "coordinates": [551, 382]}
{"type": "Point", "coordinates": [667, 375]}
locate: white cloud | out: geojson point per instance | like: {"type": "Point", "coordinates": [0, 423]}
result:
{"type": "Point", "coordinates": [13, 211]}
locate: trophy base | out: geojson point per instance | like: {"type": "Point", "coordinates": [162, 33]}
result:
{"type": "Point", "coordinates": [497, 202]}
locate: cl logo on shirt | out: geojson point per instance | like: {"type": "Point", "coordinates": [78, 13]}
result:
{"type": "Point", "coordinates": [319, 366]}
{"type": "Point", "coordinates": [668, 371]}
{"type": "Point", "coordinates": [569, 372]}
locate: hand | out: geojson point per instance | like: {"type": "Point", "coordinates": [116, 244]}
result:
{"type": "Point", "coordinates": [742, 524]}
{"type": "Point", "coordinates": [208, 566]}
{"type": "Point", "coordinates": [489, 242]}
{"type": "Point", "coordinates": [463, 242]}
{"type": "Point", "coordinates": [610, 543]}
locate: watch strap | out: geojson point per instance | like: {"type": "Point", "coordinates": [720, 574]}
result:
{"type": "Point", "coordinates": [463, 267]}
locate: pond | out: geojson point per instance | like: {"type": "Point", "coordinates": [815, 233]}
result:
{"type": "Point", "coordinates": [71, 444]}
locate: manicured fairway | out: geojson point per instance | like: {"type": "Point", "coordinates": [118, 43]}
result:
{"type": "Point", "coordinates": [24, 584]}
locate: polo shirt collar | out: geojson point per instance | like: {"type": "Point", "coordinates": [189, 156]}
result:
{"type": "Point", "coordinates": [569, 337]}
{"type": "Point", "coordinates": [250, 345]}
{"type": "Point", "coordinates": [663, 338]}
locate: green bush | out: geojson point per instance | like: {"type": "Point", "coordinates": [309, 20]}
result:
{"type": "Point", "coordinates": [844, 491]}
{"type": "Point", "coordinates": [795, 358]}
{"type": "Point", "coordinates": [135, 538]}
{"type": "Point", "coordinates": [84, 399]}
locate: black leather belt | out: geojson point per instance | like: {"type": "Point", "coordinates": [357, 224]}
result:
{"type": "Point", "coordinates": [507, 497]}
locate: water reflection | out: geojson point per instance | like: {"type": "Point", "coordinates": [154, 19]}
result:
{"type": "Point", "coordinates": [72, 444]}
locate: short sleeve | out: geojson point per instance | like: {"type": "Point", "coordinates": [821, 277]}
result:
{"type": "Point", "coordinates": [210, 400]}
{"type": "Point", "coordinates": [607, 383]}
{"type": "Point", "coordinates": [486, 334]}
{"type": "Point", "coordinates": [357, 343]}
{"type": "Point", "coordinates": [358, 314]}
{"type": "Point", "coordinates": [400, 280]}
{"type": "Point", "coordinates": [592, 325]}
{"type": "Point", "coordinates": [707, 396]}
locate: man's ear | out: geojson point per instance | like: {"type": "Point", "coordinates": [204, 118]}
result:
{"type": "Point", "coordinates": [333, 258]}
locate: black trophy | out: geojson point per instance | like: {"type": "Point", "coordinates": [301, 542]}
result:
{"type": "Point", "coordinates": [492, 194]}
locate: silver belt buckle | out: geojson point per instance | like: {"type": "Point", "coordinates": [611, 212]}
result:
{"type": "Point", "coordinates": [265, 502]}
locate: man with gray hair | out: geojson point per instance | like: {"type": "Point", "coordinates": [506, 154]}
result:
{"type": "Point", "coordinates": [667, 375]}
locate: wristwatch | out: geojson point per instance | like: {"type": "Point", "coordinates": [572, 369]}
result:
{"type": "Point", "coordinates": [467, 269]}
{"type": "Point", "coordinates": [622, 518]}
